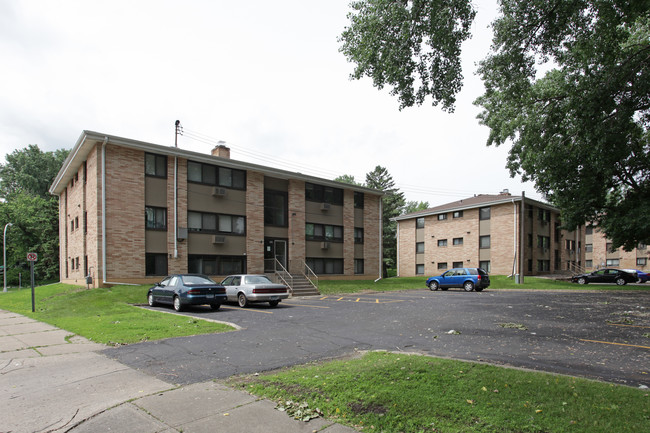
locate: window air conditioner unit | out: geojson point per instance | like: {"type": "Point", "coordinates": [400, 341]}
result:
{"type": "Point", "coordinates": [218, 192]}
{"type": "Point", "coordinates": [324, 206]}
{"type": "Point", "coordinates": [218, 239]}
{"type": "Point", "coordinates": [181, 235]}
{"type": "Point", "coordinates": [324, 245]}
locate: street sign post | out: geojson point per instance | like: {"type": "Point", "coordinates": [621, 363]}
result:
{"type": "Point", "coordinates": [32, 257]}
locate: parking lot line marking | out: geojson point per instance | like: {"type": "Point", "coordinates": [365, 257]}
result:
{"type": "Point", "coordinates": [357, 300]}
{"type": "Point", "coordinates": [340, 298]}
{"type": "Point", "coordinates": [247, 309]}
{"type": "Point", "coordinates": [616, 344]}
{"type": "Point", "coordinates": [311, 306]}
{"type": "Point", "coordinates": [629, 326]}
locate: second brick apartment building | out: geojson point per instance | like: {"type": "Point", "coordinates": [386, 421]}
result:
{"type": "Point", "coordinates": [131, 212]}
{"type": "Point", "coordinates": [503, 234]}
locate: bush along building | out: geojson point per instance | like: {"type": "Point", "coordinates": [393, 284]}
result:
{"type": "Point", "coordinates": [131, 212]}
{"type": "Point", "coordinates": [503, 234]}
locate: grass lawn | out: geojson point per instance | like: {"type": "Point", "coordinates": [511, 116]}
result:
{"type": "Point", "coordinates": [387, 392]}
{"type": "Point", "coordinates": [327, 287]}
{"type": "Point", "coordinates": [104, 315]}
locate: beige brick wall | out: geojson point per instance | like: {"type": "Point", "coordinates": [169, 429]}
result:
{"type": "Point", "coordinates": [627, 259]}
{"type": "Point", "coordinates": [371, 227]}
{"type": "Point", "coordinates": [125, 222]}
{"type": "Point", "coordinates": [406, 248]}
{"type": "Point", "coordinates": [255, 222]}
{"type": "Point", "coordinates": [465, 227]}
{"type": "Point", "coordinates": [93, 209]}
{"type": "Point", "coordinates": [296, 209]}
{"type": "Point", "coordinates": [503, 229]}
{"type": "Point", "coordinates": [126, 234]}
{"type": "Point", "coordinates": [502, 238]}
{"type": "Point", "coordinates": [177, 250]}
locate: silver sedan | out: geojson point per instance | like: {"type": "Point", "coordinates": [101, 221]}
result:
{"type": "Point", "coordinates": [245, 289]}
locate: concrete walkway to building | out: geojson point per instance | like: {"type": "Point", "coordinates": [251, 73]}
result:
{"type": "Point", "coordinates": [54, 381]}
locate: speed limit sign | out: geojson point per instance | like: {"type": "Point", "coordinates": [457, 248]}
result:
{"type": "Point", "coordinates": [32, 257]}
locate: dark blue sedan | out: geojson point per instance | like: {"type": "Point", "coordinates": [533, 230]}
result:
{"type": "Point", "coordinates": [181, 290]}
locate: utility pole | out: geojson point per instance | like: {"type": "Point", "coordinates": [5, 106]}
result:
{"type": "Point", "coordinates": [177, 131]}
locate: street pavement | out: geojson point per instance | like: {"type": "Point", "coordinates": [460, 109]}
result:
{"type": "Point", "coordinates": [593, 334]}
{"type": "Point", "coordinates": [54, 381]}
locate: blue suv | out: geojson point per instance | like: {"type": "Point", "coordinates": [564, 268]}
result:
{"type": "Point", "coordinates": [467, 278]}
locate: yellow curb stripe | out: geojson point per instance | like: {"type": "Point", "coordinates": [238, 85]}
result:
{"type": "Point", "coordinates": [629, 326]}
{"type": "Point", "coordinates": [616, 344]}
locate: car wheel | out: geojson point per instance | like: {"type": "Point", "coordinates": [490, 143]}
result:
{"type": "Point", "coordinates": [582, 280]}
{"type": "Point", "coordinates": [241, 300]}
{"type": "Point", "coordinates": [274, 303]}
{"type": "Point", "coordinates": [433, 285]}
{"type": "Point", "coordinates": [177, 304]}
{"type": "Point", "coordinates": [152, 303]}
{"type": "Point", "coordinates": [215, 306]}
{"type": "Point", "coordinates": [468, 286]}
{"type": "Point", "coordinates": [620, 281]}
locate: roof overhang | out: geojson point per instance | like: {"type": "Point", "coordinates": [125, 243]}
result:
{"type": "Point", "coordinates": [89, 139]}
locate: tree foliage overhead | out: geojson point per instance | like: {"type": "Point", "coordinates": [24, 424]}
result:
{"type": "Point", "coordinates": [567, 83]}
{"type": "Point", "coordinates": [411, 45]}
{"type": "Point", "coordinates": [579, 131]}
{"type": "Point", "coordinates": [34, 213]}
{"type": "Point", "coordinates": [30, 170]}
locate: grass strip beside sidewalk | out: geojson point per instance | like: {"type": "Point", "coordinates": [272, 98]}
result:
{"type": "Point", "coordinates": [388, 392]}
{"type": "Point", "coordinates": [104, 315]}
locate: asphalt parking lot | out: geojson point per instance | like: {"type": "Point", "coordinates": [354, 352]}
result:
{"type": "Point", "coordinates": [597, 335]}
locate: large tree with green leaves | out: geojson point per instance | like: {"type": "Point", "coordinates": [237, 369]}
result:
{"type": "Point", "coordinates": [413, 46]}
{"type": "Point", "coordinates": [392, 203]}
{"type": "Point", "coordinates": [32, 211]}
{"type": "Point", "coordinates": [567, 83]}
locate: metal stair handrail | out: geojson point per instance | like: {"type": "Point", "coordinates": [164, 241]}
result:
{"type": "Point", "coordinates": [576, 269]}
{"type": "Point", "coordinates": [284, 275]}
{"type": "Point", "coordinates": [307, 272]}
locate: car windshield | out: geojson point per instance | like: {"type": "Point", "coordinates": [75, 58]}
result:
{"type": "Point", "coordinates": [189, 280]}
{"type": "Point", "coordinates": [257, 279]}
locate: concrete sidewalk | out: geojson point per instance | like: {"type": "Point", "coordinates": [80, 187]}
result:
{"type": "Point", "coordinates": [54, 381]}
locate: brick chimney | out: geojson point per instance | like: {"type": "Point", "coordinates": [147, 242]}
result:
{"type": "Point", "coordinates": [221, 150]}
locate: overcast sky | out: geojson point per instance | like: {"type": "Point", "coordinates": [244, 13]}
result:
{"type": "Point", "coordinates": [264, 76]}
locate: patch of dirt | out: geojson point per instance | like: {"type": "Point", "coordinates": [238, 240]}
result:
{"type": "Point", "coordinates": [362, 407]}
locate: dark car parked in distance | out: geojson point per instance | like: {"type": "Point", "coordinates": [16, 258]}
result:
{"type": "Point", "coordinates": [467, 278]}
{"type": "Point", "coordinates": [181, 290]}
{"type": "Point", "coordinates": [606, 275]}
{"type": "Point", "coordinates": [642, 276]}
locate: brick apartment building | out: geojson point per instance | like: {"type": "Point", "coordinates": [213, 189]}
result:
{"type": "Point", "coordinates": [132, 211]}
{"type": "Point", "coordinates": [599, 253]}
{"type": "Point", "coordinates": [504, 234]}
